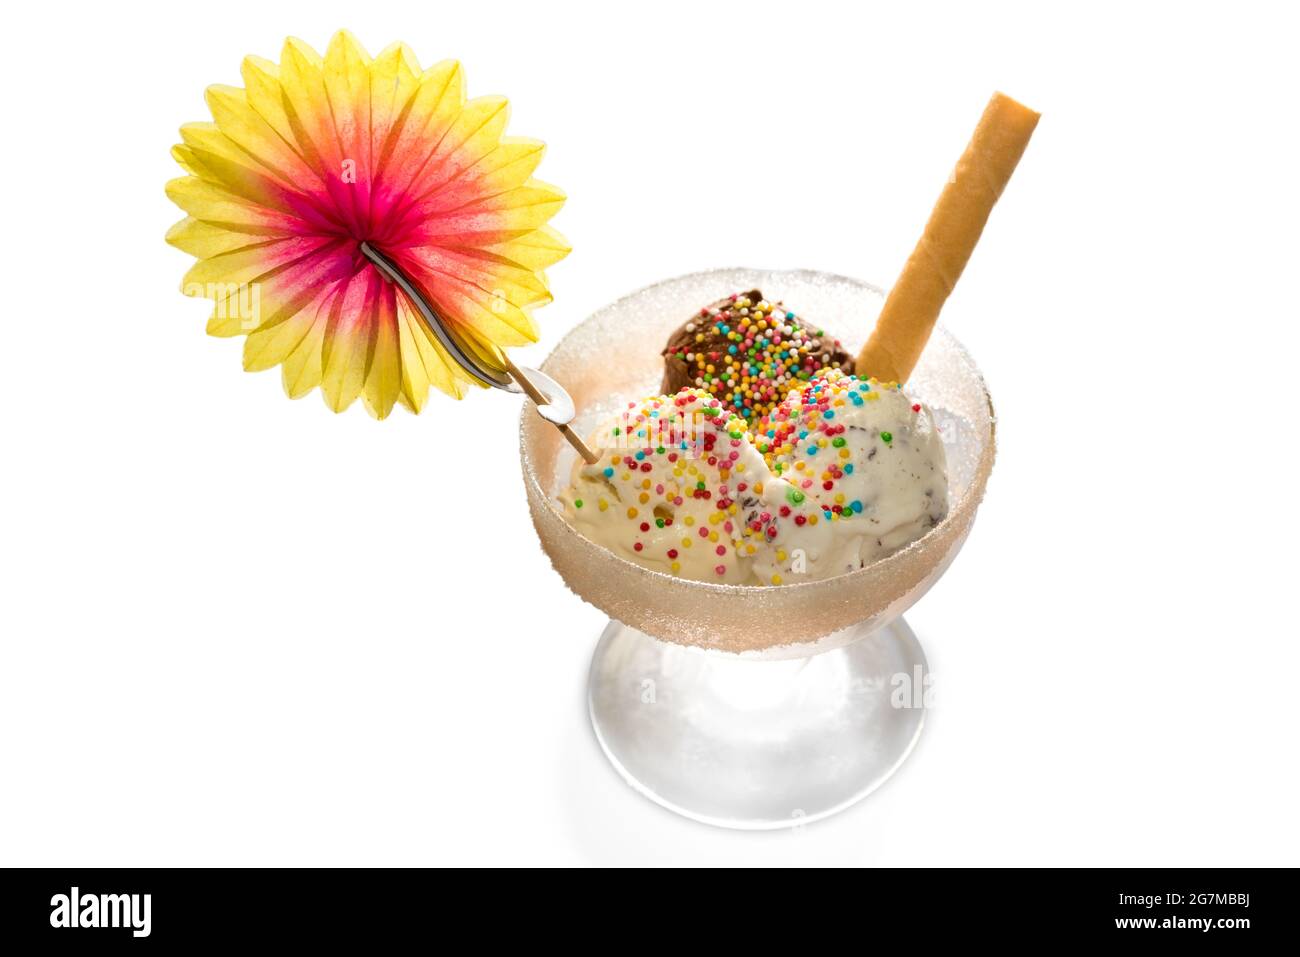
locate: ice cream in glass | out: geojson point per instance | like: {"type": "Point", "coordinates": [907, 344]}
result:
{"type": "Point", "coordinates": [842, 472]}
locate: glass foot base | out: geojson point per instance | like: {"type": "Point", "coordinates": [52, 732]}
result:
{"type": "Point", "coordinates": [751, 743]}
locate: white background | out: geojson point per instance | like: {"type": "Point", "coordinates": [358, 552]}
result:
{"type": "Point", "coordinates": [237, 629]}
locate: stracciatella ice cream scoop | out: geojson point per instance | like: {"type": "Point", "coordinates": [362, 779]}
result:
{"type": "Point", "coordinates": [858, 472]}
{"type": "Point", "coordinates": [675, 474]}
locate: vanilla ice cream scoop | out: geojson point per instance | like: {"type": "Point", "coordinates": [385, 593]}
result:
{"type": "Point", "coordinates": [675, 475]}
{"type": "Point", "coordinates": [858, 472]}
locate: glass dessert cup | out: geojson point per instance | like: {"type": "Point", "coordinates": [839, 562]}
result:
{"type": "Point", "coordinates": [746, 706]}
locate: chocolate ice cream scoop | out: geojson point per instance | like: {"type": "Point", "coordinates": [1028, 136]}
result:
{"type": "Point", "coordinates": [749, 353]}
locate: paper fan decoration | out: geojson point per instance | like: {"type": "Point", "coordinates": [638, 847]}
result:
{"type": "Point", "coordinates": [316, 155]}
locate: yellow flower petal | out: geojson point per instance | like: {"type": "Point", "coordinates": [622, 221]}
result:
{"type": "Point", "coordinates": [394, 80]}
{"type": "Point", "coordinates": [204, 240]}
{"type": "Point", "coordinates": [307, 109]}
{"type": "Point", "coordinates": [500, 217]}
{"type": "Point", "coordinates": [535, 250]}
{"type": "Point", "coordinates": [424, 362]}
{"type": "Point", "coordinates": [511, 164]}
{"type": "Point", "coordinates": [348, 340]}
{"type": "Point", "coordinates": [273, 343]}
{"type": "Point", "coordinates": [474, 133]}
{"type": "Point", "coordinates": [303, 369]}
{"type": "Point", "coordinates": [260, 142]}
{"type": "Point", "coordinates": [346, 77]}
{"type": "Point", "coordinates": [213, 204]}
{"type": "Point", "coordinates": [252, 263]}
{"type": "Point", "coordinates": [384, 377]}
{"type": "Point", "coordinates": [219, 160]}
{"type": "Point", "coordinates": [440, 96]}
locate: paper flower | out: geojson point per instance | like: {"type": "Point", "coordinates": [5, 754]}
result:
{"type": "Point", "coordinates": [316, 155]}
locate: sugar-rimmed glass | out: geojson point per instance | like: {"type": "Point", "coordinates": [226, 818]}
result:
{"type": "Point", "coordinates": [746, 706]}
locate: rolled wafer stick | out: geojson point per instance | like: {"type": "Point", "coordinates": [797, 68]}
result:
{"type": "Point", "coordinates": [913, 305]}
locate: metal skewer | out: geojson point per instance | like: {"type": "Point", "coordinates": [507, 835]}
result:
{"type": "Point", "coordinates": [554, 404]}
